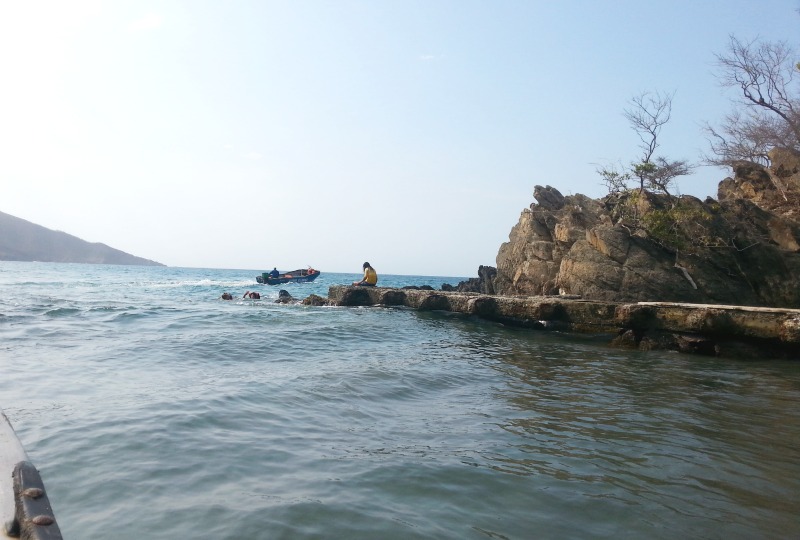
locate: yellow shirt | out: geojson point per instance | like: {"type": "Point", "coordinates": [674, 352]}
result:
{"type": "Point", "coordinates": [370, 275]}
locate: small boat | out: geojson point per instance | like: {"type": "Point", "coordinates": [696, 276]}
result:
{"type": "Point", "coordinates": [295, 276]}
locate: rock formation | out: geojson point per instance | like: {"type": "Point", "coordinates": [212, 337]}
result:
{"type": "Point", "coordinates": [483, 284]}
{"type": "Point", "coordinates": [284, 297]}
{"type": "Point", "coordinates": [743, 248]}
{"type": "Point", "coordinates": [315, 300]}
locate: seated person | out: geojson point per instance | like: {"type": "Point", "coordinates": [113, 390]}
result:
{"type": "Point", "coordinates": [370, 276]}
{"type": "Point", "coordinates": [274, 273]}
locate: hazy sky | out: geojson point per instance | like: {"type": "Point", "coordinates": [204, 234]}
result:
{"type": "Point", "coordinates": [253, 134]}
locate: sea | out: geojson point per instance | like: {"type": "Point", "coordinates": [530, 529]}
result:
{"type": "Point", "coordinates": [154, 409]}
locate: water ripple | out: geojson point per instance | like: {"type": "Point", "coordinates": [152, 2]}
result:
{"type": "Point", "coordinates": [172, 414]}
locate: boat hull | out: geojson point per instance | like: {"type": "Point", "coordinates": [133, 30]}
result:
{"type": "Point", "coordinates": [295, 276]}
{"type": "Point", "coordinates": [22, 514]}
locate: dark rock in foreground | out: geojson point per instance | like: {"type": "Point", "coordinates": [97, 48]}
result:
{"type": "Point", "coordinates": [716, 330]}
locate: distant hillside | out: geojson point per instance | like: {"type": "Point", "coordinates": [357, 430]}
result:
{"type": "Point", "coordinates": [22, 240]}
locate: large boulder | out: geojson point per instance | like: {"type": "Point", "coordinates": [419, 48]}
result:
{"type": "Point", "coordinates": [743, 248]}
{"type": "Point", "coordinates": [529, 262]}
{"type": "Point", "coordinates": [775, 189]}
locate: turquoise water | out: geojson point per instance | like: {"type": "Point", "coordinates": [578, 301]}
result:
{"type": "Point", "coordinates": [155, 410]}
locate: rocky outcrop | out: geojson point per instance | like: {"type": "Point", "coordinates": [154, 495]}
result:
{"type": "Point", "coordinates": [484, 283]}
{"type": "Point", "coordinates": [530, 261]}
{"type": "Point", "coordinates": [743, 248]}
{"type": "Point", "coordinates": [775, 189]}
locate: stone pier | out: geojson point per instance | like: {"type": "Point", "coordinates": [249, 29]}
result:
{"type": "Point", "coordinates": [715, 330]}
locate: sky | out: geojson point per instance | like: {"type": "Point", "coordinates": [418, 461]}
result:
{"type": "Point", "coordinates": [410, 134]}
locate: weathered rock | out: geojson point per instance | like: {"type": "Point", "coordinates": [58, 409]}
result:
{"type": "Point", "coordinates": [284, 297]}
{"type": "Point", "coordinates": [530, 261]}
{"type": "Point", "coordinates": [612, 242]}
{"type": "Point", "coordinates": [742, 249]}
{"type": "Point", "coordinates": [484, 283]}
{"type": "Point", "coordinates": [315, 300]}
{"type": "Point", "coordinates": [548, 197]}
{"type": "Point", "coordinates": [775, 189]}
{"type": "Point", "coordinates": [644, 273]}
{"type": "Point", "coordinates": [790, 330]}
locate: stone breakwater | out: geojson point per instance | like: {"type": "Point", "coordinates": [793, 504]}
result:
{"type": "Point", "coordinates": [715, 330]}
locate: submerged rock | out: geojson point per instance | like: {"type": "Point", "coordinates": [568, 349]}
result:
{"type": "Point", "coordinates": [284, 297]}
{"type": "Point", "coordinates": [315, 300]}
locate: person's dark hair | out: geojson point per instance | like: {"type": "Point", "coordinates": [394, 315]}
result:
{"type": "Point", "coordinates": [366, 264]}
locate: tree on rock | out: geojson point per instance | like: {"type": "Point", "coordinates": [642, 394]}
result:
{"type": "Point", "coordinates": [640, 196]}
{"type": "Point", "coordinates": [767, 112]}
{"type": "Point", "coordinates": [648, 113]}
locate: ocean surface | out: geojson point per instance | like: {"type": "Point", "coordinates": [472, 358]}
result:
{"type": "Point", "coordinates": [153, 409]}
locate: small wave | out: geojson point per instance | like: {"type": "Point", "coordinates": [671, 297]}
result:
{"type": "Point", "coordinates": [128, 317]}
{"type": "Point", "coordinates": [111, 309]}
{"type": "Point", "coordinates": [62, 312]}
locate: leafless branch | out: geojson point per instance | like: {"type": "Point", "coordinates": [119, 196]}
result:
{"type": "Point", "coordinates": [769, 109]}
{"type": "Point", "coordinates": [650, 111]}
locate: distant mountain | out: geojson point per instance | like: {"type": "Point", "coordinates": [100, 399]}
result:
{"type": "Point", "coordinates": [22, 240]}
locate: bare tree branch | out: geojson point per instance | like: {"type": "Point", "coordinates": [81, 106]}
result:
{"type": "Point", "coordinates": [650, 111]}
{"type": "Point", "coordinates": [769, 108]}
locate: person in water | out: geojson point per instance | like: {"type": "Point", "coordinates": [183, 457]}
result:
{"type": "Point", "coordinates": [254, 295]}
{"type": "Point", "coordinates": [274, 273]}
{"type": "Point", "coordinates": [227, 296]}
{"type": "Point", "coordinates": [370, 276]}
